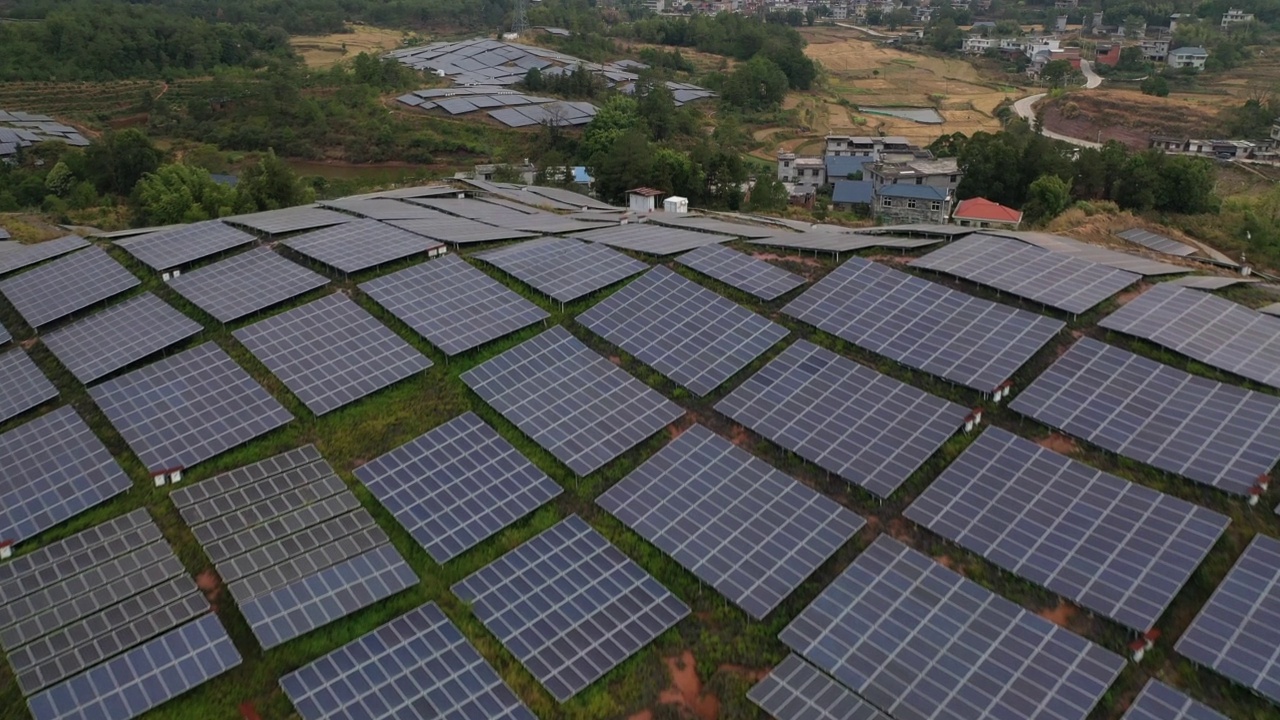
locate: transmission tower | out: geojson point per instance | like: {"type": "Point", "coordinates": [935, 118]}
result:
{"type": "Point", "coordinates": [521, 24]}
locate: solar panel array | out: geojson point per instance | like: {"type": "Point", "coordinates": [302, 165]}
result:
{"type": "Point", "coordinates": [519, 197]}
{"type": "Point", "coordinates": [684, 331]}
{"type": "Point", "coordinates": [456, 485]}
{"type": "Point", "coordinates": [183, 409]}
{"type": "Point", "coordinates": [1209, 282]}
{"type": "Point", "coordinates": [918, 640]}
{"type": "Point", "coordinates": [287, 220]}
{"type": "Point", "coordinates": [569, 197]}
{"type": "Point", "coordinates": [292, 543]}
{"type": "Point", "coordinates": [107, 624]}
{"type": "Point", "coordinates": [1158, 701]}
{"type": "Point", "coordinates": [246, 283]}
{"type": "Point", "coordinates": [453, 305]}
{"type": "Point", "coordinates": [331, 352]}
{"type": "Point", "coordinates": [1238, 630]}
{"type": "Point", "coordinates": [1216, 434]}
{"type": "Point", "coordinates": [713, 225]}
{"type": "Point", "coordinates": [507, 215]}
{"type": "Point", "coordinates": [355, 246]}
{"type": "Point", "coordinates": [841, 242]}
{"type": "Point", "coordinates": [4, 335]}
{"type": "Point", "coordinates": [459, 231]}
{"type": "Point", "coordinates": [650, 238]}
{"type": "Point", "coordinates": [379, 208]}
{"type": "Point", "coordinates": [418, 665]}
{"type": "Point", "coordinates": [24, 385]}
{"type": "Point", "coordinates": [579, 406]}
{"type": "Point", "coordinates": [31, 254]}
{"type": "Point", "coordinates": [924, 325]}
{"type": "Point", "coordinates": [55, 469]}
{"type": "Point", "coordinates": [570, 606]}
{"type": "Point", "coordinates": [744, 528]}
{"type": "Point", "coordinates": [1093, 253]}
{"type": "Point", "coordinates": [563, 268]}
{"type": "Point", "coordinates": [1205, 327]}
{"type": "Point", "coordinates": [1118, 548]}
{"type": "Point", "coordinates": [868, 428]}
{"type": "Point", "coordinates": [747, 273]}
{"type": "Point", "coordinates": [796, 690]}
{"type": "Point", "coordinates": [1059, 281]}
{"type": "Point", "coordinates": [59, 288]}
{"type": "Point", "coordinates": [1157, 242]}
{"type": "Point", "coordinates": [119, 336]}
{"type": "Point", "coordinates": [173, 248]}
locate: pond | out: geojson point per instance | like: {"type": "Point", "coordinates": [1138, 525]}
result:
{"type": "Point", "coordinates": [923, 115]}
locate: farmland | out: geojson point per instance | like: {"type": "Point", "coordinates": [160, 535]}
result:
{"type": "Point", "coordinates": [326, 50]}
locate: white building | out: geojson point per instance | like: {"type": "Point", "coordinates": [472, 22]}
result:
{"type": "Point", "coordinates": [1155, 50]}
{"type": "Point", "coordinates": [839, 11]}
{"type": "Point", "coordinates": [1234, 17]}
{"type": "Point", "coordinates": [1188, 57]}
{"type": "Point", "coordinates": [642, 200]}
{"type": "Point", "coordinates": [864, 146]}
{"type": "Point", "coordinates": [802, 175]}
{"type": "Point", "coordinates": [1275, 131]}
{"type": "Point", "coordinates": [977, 44]}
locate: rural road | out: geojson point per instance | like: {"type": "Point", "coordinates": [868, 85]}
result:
{"type": "Point", "coordinates": [867, 30]}
{"type": "Point", "coordinates": [1025, 110]}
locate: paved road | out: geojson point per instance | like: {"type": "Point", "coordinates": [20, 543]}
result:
{"type": "Point", "coordinates": [1025, 110]}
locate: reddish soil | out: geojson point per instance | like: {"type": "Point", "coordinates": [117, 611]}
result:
{"type": "Point", "coordinates": [211, 585]}
{"type": "Point", "coordinates": [1060, 615]}
{"type": "Point", "coordinates": [28, 344]}
{"type": "Point", "coordinates": [799, 260]}
{"type": "Point", "coordinates": [685, 691]}
{"type": "Point", "coordinates": [740, 437]}
{"type": "Point", "coordinates": [900, 530]}
{"type": "Point", "coordinates": [615, 359]}
{"type": "Point", "coordinates": [946, 562]}
{"type": "Point", "coordinates": [1058, 443]}
{"type": "Point", "coordinates": [891, 259]}
{"type": "Point", "coordinates": [752, 674]}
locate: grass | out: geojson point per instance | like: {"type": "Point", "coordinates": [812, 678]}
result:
{"type": "Point", "coordinates": [724, 641]}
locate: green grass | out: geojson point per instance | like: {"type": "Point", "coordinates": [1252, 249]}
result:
{"type": "Point", "coordinates": [724, 641]}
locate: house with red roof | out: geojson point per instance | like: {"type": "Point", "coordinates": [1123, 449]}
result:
{"type": "Point", "coordinates": [982, 213]}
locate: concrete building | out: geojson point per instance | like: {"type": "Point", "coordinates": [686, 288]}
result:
{"type": "Point", "coordinates": [978, 44]}
{"type": "Point", "coordinates": [1107, 54]}
{"type": "Point", "coordinates": [865, 146]}
{"type": "Point", "coordinates": [1060, 24]}
{"type": "Point", "coordinates": [1235, 17]}
{"type": "Point", "coordinates": [983, 213]}
{"type": "Point", "coordinates": [1275, 131]}
{"type": "Point", "coordinates": [801, 175]}
{"type": "Point", "coordinates": [1155, 50]}
{"type": "Point", "coordinates": [642, 200]}
{"type": "Point", "coordinates": [851, 195]}
{"type": "Point", "coordinates": [913, 204]}
{"type": "Point", "coordinates": [944, 173]}
{"type": "Point", "coordinates": [1188, 57]}
{"type": "Point", "coordinates": [839, 11]}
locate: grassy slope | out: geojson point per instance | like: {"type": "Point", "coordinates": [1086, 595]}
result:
{"type": "Point", "coordinates": [722, 638]}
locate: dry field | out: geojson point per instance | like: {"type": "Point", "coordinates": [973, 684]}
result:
{"type": "Point", "coordinates": [325, 50]}
{"type": "Point", "coordinates": [1131, 117]}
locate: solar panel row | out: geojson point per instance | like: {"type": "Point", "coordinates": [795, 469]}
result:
{"type": "Point", "coordinates": [651, 239]}
{"type": "Point", "coordinates": [64, 286]}
{"type": "Point", "coordinates": [459, 231]}
{"type": "Point", "coordinates": [24, 385]}
{"type": "Point", "coordinates": [745, 272]}
{"type": "Point", "coordinates": [1157, 242]}
{"type": "Point", "coordinates": [119, 336]}
{"type": "Point", "coordinates": [563, 268]}
{"type": "Point", "coordinates": [26, 255]}
{"type": "Point", "coordinates": [362, 244]}
{"type": "Point", "coordinates": [169, 249]}
{"type": "Point", "coordinates": [796, 690]}
{"type": "Point", "coordinates": [1158, 701]}
{"type": "Point", "coordinates": [287, 220]}
{"type": "Point", "coordinates": [245, 283]}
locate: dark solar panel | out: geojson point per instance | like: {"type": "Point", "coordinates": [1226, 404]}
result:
{"type": "Point", "coordinates": [55, 468]}
{"type": "Point", "coordinates": [1215, 434]}
{"type": "Point", "coordinates": [331, 352]}
{"type": "Point", "coordinates": [834, 241]}
{"type": "Point", "coordinates": [453, 305]}
{"type": "Point", "coordinates": [570, 606]}
{"type": "Point", "coordinates": [742, 271]}
{"type": "Point", "coordinates": [1238, 630]}
{"type": "Point", "coordinates": [362, 244]}
{"type": "Point", "coordinates": [1117, 548]}
{"type": "Point", "coordinates": [684, 331]}
{"type": "Point", "coordinates": [744, 528]}
{"type": "Point", "coordinates": [563, 268]}
{"type": "Point", "coordinates": [868, 428]}
{"type": "Point", "coordinates": [918, 640]}
{"type": "Point", "coordinates": [25, 255]}
{"type": "Point", "coordinates": [187, 408]}
{"type": "Point", "coordinates": [174, 248]}
{"type": "Point", "coordinates": [923, 325]}
{"type": "Point", "coordinates": [64, 286]}
{"type": "Point", "coordinates": [459, 231]}
{"type": "Point", "coordinates": [1157, 242]}
{"type": "Point", "coordinates": [796, 690]}
{"type": "Point", "coordinates": [1205, 327]}
{"type": "Point", "coordinates": [119, 336]}
{"type": "Point", "coordinates": [418, 665]}
{"type": "Point", "coordinates": [1056, 280]}
{"type": "Point", "coordinates": [24, 385]}
{"type": "Point", "coordinates": [246, 283]}
{"type": "Point", "coordinates": [579, 406]}
{"type": "Point", "coordinates": [292, 543]}
{"type": "Point", "coordinates": [379, 208]}
{"type": "Point", "coordinates": [456, 485]}
{"type": "Point", "coordinates": [4, 335]}
{"type": "Point", "coordinates": [650, 238]}
{"type": "Point", "coordinates": [1158, 701]}
{"type": "Point", "coordinates": [277, 222]}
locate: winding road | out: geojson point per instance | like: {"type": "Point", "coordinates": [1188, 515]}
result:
{"type": "Point", "coordinates": [1025, 110]}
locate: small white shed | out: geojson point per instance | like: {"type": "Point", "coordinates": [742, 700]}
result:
{"type": "Point", "coordinates": [676, 204]}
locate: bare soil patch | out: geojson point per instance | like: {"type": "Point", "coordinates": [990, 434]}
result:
{"type": "Point", "coordinates": [1130, 117]}
{"type": "Point", "coordinates": [1062, 615]}
{"type": "Point", "coordinates": [1058, 443]}
{"type": "Point", "coordinates": [686, 691]}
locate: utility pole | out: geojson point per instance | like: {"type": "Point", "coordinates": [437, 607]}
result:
{"type": "Point", "coordinates": [521, 24]}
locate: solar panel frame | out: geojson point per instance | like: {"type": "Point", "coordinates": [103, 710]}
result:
{"type": "Point", "coordinates": [31, 254]}
{"type": "Point", "coordinates": [1208, 282]}
{"type": "Point", "coordinates": [59, 288]}
{"type": "Point", "coordinates": [25, 387]}
{"type": "Point", "coordinates": [1157, 242]}
{"type": "Point", "coordinates": [592, 607]}
{"type": "Point", "coordinates": [796, 690]}
{"type": "Point", "coordinates": [1093, 253]}
{"type": "Point", "coordinates": [840, 242]}
{"type": "Point", "coordinates": [1215, 434]}
{"type": "Point", "coordinates": [1158, 701]}
{"type": "Point", "coordinates": [362, 244]}
{"type": "Point", "coordinates": [1117, 548]}
{"type": "Point", "coordinates": [704, 223]}
{"type": "Point", "coordinates": [459, 231]}
{"type": "Point", "coordinates": [380, 208]}
{"type": "Point", "coordinates": [651, 238]}
{"type": "Point", "coordinates": [742, 271]}
{"type": "Point", "coordinates": [246, 283]}
{"type": "Point", "coordinates": [169, 249]}
{"type": "Point", "coordinates": [119, 336]}
{"type": "Point", "coordinates": [823, 407]}
{"type": "Point", "coordinates": [969, 341]}
{"type": "Point", "coordinates": [563, 268]}
{"type": "Point", "coordinates": [287, 220]}
{"type": "Point", "coordinates": [452, 304]}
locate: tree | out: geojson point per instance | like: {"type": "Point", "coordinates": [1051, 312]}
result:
{"type": "Point", "coordinates": [1131, 59]}
{"type": "Point", "coordinates": [945, 36]}
{"type": "Point", "coordinates": [533, 80]}
{"type": "Point", "coordinates": [616, 117]}
{"type": "Point", "coordinates": [656, 106]}
{"type": "Point", "coordinates": [120, 159]}
{"type": "Point", "coordinates": [625, 163]}
{"type": "Point", "coordinates": [1055, 72]}
{"type": "Point", "coordinates": [60, 179]}
{"type": "Point", "coordinates": [768, 194]}
{"type": "Point", "coordinates": [897, 18]}
{"type": "Point", "coordinates": [1047, 197]}
{"type": "Point", "coordinates": [1155, 85]}
{"type": "Point", "coordinates": [757, 84]}
{"type": "Point", "coordinates": [270, 185]}
{"type": "Point", "coordinates": [181, 193]}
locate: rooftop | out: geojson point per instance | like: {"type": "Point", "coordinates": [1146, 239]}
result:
{"type": "Point", "coordinates": [918, 192]}
{"type": "Point", "coordinates": [984, 209]}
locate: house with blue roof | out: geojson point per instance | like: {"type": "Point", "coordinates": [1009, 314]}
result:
{"type": "Point", "coordinates": [851, 194]}
{"type": "Point", "coordinates": [913, 204]}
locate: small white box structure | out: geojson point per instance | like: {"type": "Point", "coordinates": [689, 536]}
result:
{"type": "Point", "coordinates": [6, 549]}
{"type": "Point", "coordinates": [642, 200]}
{"type": "Point", "coordinates": [160, 479]}
{"type": "Point", "coordinates": [175, 477]}
{"type": "Point", "coordinates": [172, 275]}
{"type": "Point", "coordinates": [676, 204]}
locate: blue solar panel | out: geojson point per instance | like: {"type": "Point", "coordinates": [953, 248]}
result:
{"type": "Point", "coordinates": [1158, 701]}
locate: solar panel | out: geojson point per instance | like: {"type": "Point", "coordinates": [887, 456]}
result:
{"type": "Point", "coordinates": [1273, 309]}
{"type": "Point", "coordinates": [958, 337]}
{"type": "Point", "coordinates": [418, 665]}
{"type": "Point", "coordinates": [456, 485]}
{"type": "Point", "coordinates": [119, 336]}
{"type": "Point", "coordinates": [331, 352]}
{"type": "Point", "coordinates": [246, 283]}
{"type": "Point", "coordinates": [174, 248]}
{"type": "Point", "coordinates": [1238, 630]}
{"type": "Point", "coordinates": [651, 239]}
{"type": "Point", "coordinates": [1158, 701]}
{"type": "Point", "coordinates": [684, 331]}
{"type": "Point", "coordinates": [292, 543]}
{"type": "Point", "coordinates": [59, 288]}
{"type": "Point", "coordinates": [579, 406]}
{"type": "Point", "coordinates": [1120, 549]}
{"type": "Point", "coordinates": [4, 335]}
{"type": "Point", "coordinates": [278, 222]}
{"type": "Point", "coordinates": [1059, 281]}
{"type": "Point", "coordinates": [24, 385]}
{"type": "Point", "coordinates": [744, 528]}
{"type": "Point", "coordinates": [1157, 242]}
{"type": "Point", "coordinates": [868, 428]}
{"type": "Point", "coordinates": [570, 606]}
{"type": "Point", "coordinates": [796, 690]}
{"type": "Point", "coordinates": [1204, 327]}
{"type": "Point", "coordinates": [379, 208]}
{"type": "Point", "coordinates": [918, 640]}
{"type": "Point", "coordinates": [563, 268]}
{"type": "Point", "coordinates": [181, 410]}
{"type": "Point", "coordinates": [569, 197]}
{"type": "Point", "coordinates": [84, 620]}
{"type": "Point", "coordinates": [506, 216]}
{"type": "Point", "coordinates": [712, 225]}
{"type": "Point", "coordinates": [1216, 434]}
{"type": "Point", "coordinates": [841, 242]}
{"type": "Point", "coordinates": [55, 469]}
{"type": "Point", "coordinates": [1093, 253]}
{"type": "Point", "coordinates": [453, 305]}
{"type": "Point", "coordinates": [355, 246]}
{"type": "Point", "coordinates": [36, 252]}
{"type": "Point", "coordinates": [459, 231]}
{"type": "Point", "coordinates": [747, 273]}
{"type": "Point", "coordinates": [1208, 282]}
